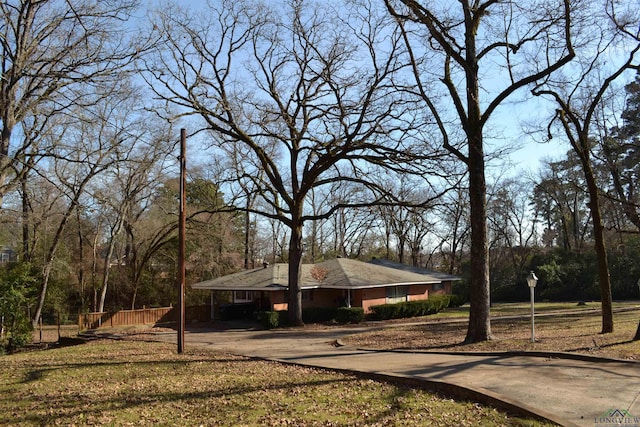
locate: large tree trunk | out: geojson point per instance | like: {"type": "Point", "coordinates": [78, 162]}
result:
{"type": "Point", "coordinates": [479, 328]}
{"type": "Point", "coordinates": [601, 251]}
{"type": "Point", "coordinates": [295, 261]}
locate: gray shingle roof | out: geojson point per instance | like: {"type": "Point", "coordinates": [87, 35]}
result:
{"type": "Point", "coordinates": [340, 273]}
{"type": "Point", "coordinates": [419, 270]}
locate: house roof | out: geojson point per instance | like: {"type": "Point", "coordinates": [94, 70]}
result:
{"type": "Point", "coordinates": [340, 273]}
{"type": "Point", "coordinates": [419, 270]}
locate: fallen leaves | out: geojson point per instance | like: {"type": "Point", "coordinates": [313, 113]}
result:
{"type": "Point", "coordinates": [141, 383]}
{"type": "Point", "coordinates": [554, 333]}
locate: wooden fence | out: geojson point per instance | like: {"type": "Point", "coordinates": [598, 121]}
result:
{"type": "Point", "coordinates": [145, 316]}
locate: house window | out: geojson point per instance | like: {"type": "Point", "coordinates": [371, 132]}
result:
{"type": "Point", "coordinates": [242, 296]}
{"type": "Point", "coordinates": [396, 294]}
{"type": "Point", "coordinates": [438, 286]}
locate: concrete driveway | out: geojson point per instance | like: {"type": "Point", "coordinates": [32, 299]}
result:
{"type": "Point", "coordinates": [563, 388]}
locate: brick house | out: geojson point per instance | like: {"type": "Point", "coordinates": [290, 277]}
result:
{"type": "Point", "coordinates": [338, 282]}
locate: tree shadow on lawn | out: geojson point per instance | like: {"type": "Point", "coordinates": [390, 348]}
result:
{"type": "Point", "coordinates": [41, 373]}
{"type": "Point", "coordinates": [508, 335]}
{"type": "Point", "coordinates": [64, 409]}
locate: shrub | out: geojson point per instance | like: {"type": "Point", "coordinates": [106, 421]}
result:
{"type": "Point", "coordinates": [456, 300]}
{"type": "Point", "coordinates": [440, 302]}
{"type": "Point", "coordinates": [274, 319]}
{"type": "Point", "coordinates": [19, 337]}
{"type": "Point", "coordinates": [385, 311]}
{"type": "Point", "coordinates": [411, 308]}
{"type": "Point", "coordinates": [349, 315]}
{"type": "Point", "coordinates": [16, 283]}
{"type": "Point", "coordinates": [268, 319]}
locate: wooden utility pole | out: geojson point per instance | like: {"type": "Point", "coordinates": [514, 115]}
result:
{"type": "Point", "coordinates": [181, 239]}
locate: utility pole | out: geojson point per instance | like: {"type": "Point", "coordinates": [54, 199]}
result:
{"type": "Point", "coordinates": [181, 239]}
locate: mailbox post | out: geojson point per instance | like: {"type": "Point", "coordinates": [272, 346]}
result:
{"type": "Point", "coordinates": [532, 280]}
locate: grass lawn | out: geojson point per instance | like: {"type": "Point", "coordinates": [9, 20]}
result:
{"type": "Point", "coordinates": [524, 308]}
{"type": "Point", "coordinates": [146, 383]}
{"type": "Point", "coordinates": [575, 329]}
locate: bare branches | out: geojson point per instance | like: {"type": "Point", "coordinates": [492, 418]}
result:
{"type": "Point", "coordinates": [318, 101]}
{"type": "Point", "coordinates": [314, 97]}
{"type": "Point", "coordinates": [49, 47]}
{"type": "Point", "coordinates": [468, 46]}
{"type": "Point", "coordinates": [579, 96]}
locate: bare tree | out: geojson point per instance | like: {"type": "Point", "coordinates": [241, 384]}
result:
{"type": "Point", "coordinates": [452, 229]}
{"type": "Point", "coordinates": [354, 233]}
{"type": "Point", "coordinates": [579, 94]}
{"type": "Point", "coordinates": [48, 49]}
{"type": "Point", "coordinates": [512, 230]}
{"type": "Point", "coordinates": [83, 150]}
{"type": "Point", "coordinates": [408, 225]}
{"type": "Point", "coordinates": [308, 90]}
{"type": "Point", "coordinates": [131, 183]}
{"type": "Point", "coordinates": [511, 220]}
{"type": "Point", "coordinates": [482, 52]}
{"type": "Point", "coordinates": [349, 231]}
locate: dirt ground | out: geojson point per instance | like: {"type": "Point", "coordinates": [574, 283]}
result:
{"type": "Point", "coordinates": [48, 334]}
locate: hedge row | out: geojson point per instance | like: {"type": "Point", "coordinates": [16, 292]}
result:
{"type": "Point", "coordinates": [343, 315]}
{"type": "Point", "coordinates": [349, 315]}
{"type": "Point", "coordinates": [456, 300]}
{"type": "Point", "coordinates": [410, 308]}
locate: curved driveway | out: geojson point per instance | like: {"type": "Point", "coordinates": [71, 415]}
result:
{"type": "Point", "coordinates": [562, 388]}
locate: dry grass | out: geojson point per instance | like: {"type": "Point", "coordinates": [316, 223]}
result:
{"type": "Point", "coordinates": [147, 383]}
{"type": "Point", "coordinates": [121, 383]}
{"type": "Point", "coordinates": [577, 332]}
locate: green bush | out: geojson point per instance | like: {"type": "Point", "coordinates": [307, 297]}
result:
{"type": "Point", "coordinates": [274, 319]}
{"type": "Point", "coordinates": [268, 319]}
{"type": "Point", "coordinates": [19, 336]}
{"type": "Point", "coordinates": [411, 308]}
{"type": "Point", "coordinates": [349, 315]}
{"type": "Point", "coordinates": [385, 311]}
{"type": "Point", "coordinates": [16, 283]}
{"type": "Point", "coordinates": [456, 300]}
{"type": "Point", "coordinates": [440, 302]}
